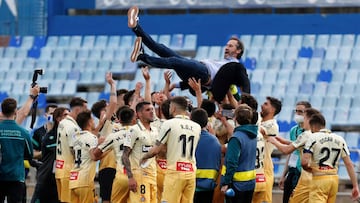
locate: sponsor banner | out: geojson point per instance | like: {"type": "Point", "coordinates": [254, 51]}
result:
{"type": "Point", "coordinates": [124, 4]}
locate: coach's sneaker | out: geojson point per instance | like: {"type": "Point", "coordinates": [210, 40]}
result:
{"type": "Point", "coordinates": [137, 49]}
{"type": "Point", "coordinates": [133, 18]}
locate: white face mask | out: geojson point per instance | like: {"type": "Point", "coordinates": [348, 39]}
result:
{"type": "Point", "coordinates": [299, 118]}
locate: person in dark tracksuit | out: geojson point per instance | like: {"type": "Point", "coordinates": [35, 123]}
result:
{"type": "Point", "coordinates": [208, 160]}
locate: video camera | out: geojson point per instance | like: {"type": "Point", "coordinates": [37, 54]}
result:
{"type": "Point", "coordinates": [34, 79]}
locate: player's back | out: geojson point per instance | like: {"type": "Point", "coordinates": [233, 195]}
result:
{"type": "Point", "coordinates": [182, 137]}
{"type": "Point", "coordinates": [67, 129]}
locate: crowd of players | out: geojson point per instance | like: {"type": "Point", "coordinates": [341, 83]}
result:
{"type": "Point", "coordinates": [154, 147]}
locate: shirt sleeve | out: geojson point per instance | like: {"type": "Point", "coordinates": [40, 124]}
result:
{"type": "Point", "coordinates": [165, 129]}
{"type": "Point", "coordinates": [28, 147]}
{"type": "Point", "coordinates": [107, 144]}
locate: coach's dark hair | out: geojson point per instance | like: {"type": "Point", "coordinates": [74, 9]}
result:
{"type": "Point", "coordinates": [311, 111]}
{"type": "Point", "coordinates": [243, 114]}
{"type": "Point", "coordinates": [97, 107]}
{"type": "Point", "coordinates": [139, 107]}
{"type": "Point", "coordinates": [304, 103]}
{"type": "Point", "coordinates": [275, 103]}
{"type": "Point", "coordinates": [58, 113]}
{"type": "Point", "coordinates": [83, 118]}
{"type": "Point", "coordinates": [209, 106]}
{"type": "Point", "coordinates": [199, 116]}
{"type": "Point", "coordinates": [125, 114]}
{"type": "Point", "coordinates": [165, 109]}
{"type": "Point", "coordinates": [8, 106]}
{"type": "Point", "coordinates": [77, 101]}
{"type": "Point", "coordinates": [180, 102]}
{"type": "Point", "coordinates": [121, 91]}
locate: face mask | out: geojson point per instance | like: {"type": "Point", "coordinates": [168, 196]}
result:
{"type": "Point", "coordinates": [50, 118]}
{"type": "Point", "coordinates": [299, 118]}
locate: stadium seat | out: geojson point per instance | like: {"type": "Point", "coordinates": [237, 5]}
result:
{"type": "Point", "coordinates": [257, 41]}
{"type": "Point", "coordinates": [289, 101]}
{"type": "Point", "coordinates": [101, 41]}
{"type": "Point", "coordinates": [86, 77]}
{"type": "Point", "coordinates": [334, 89]}
{"type": "Point", "coordinates": [66, 65]}
{"type": "Point", "coordinates": [325, 76]}
{"type": "Point", "coordinates": [322, 41]}
{"type": "Point", "coordinates": [338, 76]}
{"type": "Point", "coordinates": [64, 41]}
{"type": "Point", "coordinates": [95, 54]}
{"type": "Point", "coordinates": [344, 102]}
{"type": "Point", "coordinates": [88, 41]}
{"type": "Point", "coordinates": [70, 54]}
{"type": "Point", "coordinates": [316, 101]}
{"type": "Point", "coordinates": [266, 53]}
{"type": "Point", "coordinates": [214, 52]}
{"type": "Point", "coordinates": [270, 41]}
{"type": "Point", "coordinates": [297, 76]}
{"type": "Point", "coordinates": [347, 90]}
{"type": "Point", "coordinates": [70, 87]}
{"type": "Point", "coordinates": [343, 175]}
{"type": "Point", "coordinates": [250, 63]}
{"type": "Point", "coordinates": [56, 88]}
{"type": "Point", "coordinates": [352, 139]}
{"type": "Point", "coordinates": [253, 53]}
{"type": "Point", "coordinates": [335, 40]}
{"type": "Point", "coordinates": [296, 41]}
{"type": "Point", "coordinates": [320, 88]}
{"type": "Point", "coordinates": [283, 42]}
{"type": "Point", "coordinates": [288, 64]}
{"type": "Point", "coordinates": [331, 53]}
{"type": "Point", "coordinates": [306, 52]}
{"type": "Point", "coordinates": [177, 41]}
{"type": "Point", "coordinates": [164, 39]}
{"type": "Point", "coordinates": [306, 88]}
{"type": "Point", "coordinates": [328, 114]}
{"type": "Point", "coordinates": [17, 64]}
{"type": "Point", "coordinates": [354, 64]}
{"type": "Point", "coordinates": [73, 75]}
{"type": "Point", "coordinates": [270, 77]}
{"type": "Point", "coordinates": [292, 89]}
{"type": "Point", "coordinates": [266, 90]}
{"type": "Point", "coordinates": [291, 53]}
{"type": "Point", "coordinates": [286, 114]}
{"type": "Point", "coordinates": [283, 76]}
{"type": "Point", "coordinates": [318, 52]}
{"type": "Point", "coordinates": [190, 42]}
{"type": "Point", "coordinates": [301, 65]}
{"type": "Point", "coordinates": [274, 64]}
{"type": "Point", "coordinates": [354, 116]}
{"type": "Point", "coordinates": [255, 88]}
{"type": "Point", "coordinates": [341, 65]}
{"type": "Point", "coordinates": [114, 41]}
{"type": "Point", "coordinates": [246, 40]}
{"type": "Point", "coordinates": [15, 41]}
{"type": "Point", "coordinates": [279, 54]}
{"type": "Point", "coordinates": [75, 41]}
{"type": "Point", "coordinates": [10, 52]}
{"type": "Point", "coordinates": [257, 76]}
{"type": "Point", "coordinates": [27, 42]}
{"type": "Point", "coordinates": [202, 52]}
{"type": "Point", "coordinates": [52, 41]}
{"type": "Point", "coordinates": [310, 76]}
{"type": "Point", "coordinates": [345, 53]}
{"type": "Point", "coordinates": [351, 76]}
{"type": "Point", "coordinates": [25, 75]}
{"type": "Point", "coordinates": [126, 41]}
{"type": "Point", "coordinates": [348, 40]}
{"type": "Point", "coordinates": [309, 41]}
{"type": "Point", "coordinates": [262, 64]}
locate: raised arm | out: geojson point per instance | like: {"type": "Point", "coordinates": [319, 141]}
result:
{"type": "Point", "coordinates": [146, 75]}
{"type": "Point", "coordinates": [111, 108]}
{"type": "Point", "coordinates": [24, 111]}
{"type": "Point", "coordinates": [196, 86]}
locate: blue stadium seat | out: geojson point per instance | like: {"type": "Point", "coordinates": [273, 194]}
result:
{"type": "Point", "coordinates": [279, 54]}
{"type": "Point", "coordinates": [309, 40]}
{"type": "Point", "coordinates": [250, 63]}
{"type": "Point", "coordinates": [61, 75]}
{"type": "Point", "coordinates": [348, 40]}
{"type": "Point", "coordinates": [291, 53]}
{"type": "Point", "coordinates": [255, 88]}
{"type": "Point", "coordinates": [86, 77]}
{"type": "Point", "coordinates": [58, 53]}
{"type": "Point", "coordinates": [279, 90]}
{"type": "Point", "coordinates": [70, 87]}
{"type": "Point", "coordinates": [270, 41]}
{"type": "Point", "coordinates": [288, 64]}
{"type": "Point", "coordinates": [27, 42]}
{"type": "Point", "coordinates": [320, 88]}
{"type": "Point", "coordinates": [283, 76]}
{"type": "Point", "coordinates": [75, 41]}
{"type": "Point", "coordinates": [328, 114]}
{"type": "Point", "coordinates": [190, 42]}
{"type": "Point", "coordinates": [52, 41]}
{"type": "Point", "coordinates": [40, 41]}
{"type": "Point", "coordinates": [116, 66]}
{"type": "Point", "coordinates": [257, 76]}
{"type": "Point", "coordinates": [202, 52]}
{"type": "Point", "coordinates": [316, 101]}
{"type": "Point", "coordinates": [351, 76]}
{"type": "Point", "coordinates": [286, 114]}
{"type": "Point", "coordinates": [330, 102]}
{"type": "Point", "coordinates": [342, 173]}
{"type": "Point", "coordinates": [341, 65]}
{"type": "Point", "coordinates": [306, 88]}
{"type": "Point", "coordinates": [328, 64]}
{"type": "Point", "coordinates": [292, 89]}
{"type": "Point", "coordinates": [20, 86]}
{"type": "Point", "coordinates": [266, 90]}
{"type": "Point", "coordinates": [253, 53]}
{"type": "Point", "coordinates": [82, 54]}
{"type": "Point", "coordinates": [214, 52]}
{"type": "Point", "coordinates": [262, 64]}
{"type": "Point", "coordinates": [91, 64]}
{"type": "Point", "coordinates": [266, 53]}
{"type": "Point", "coordinates": [283, 41]}
{"type": "Point", "coordinates": [114, 41]}
{"type": "Point", "coordinates": [344, 102]}
{"type": "Point", "coordinates": [10, 52]}
{"type": "Point", "coordinates": [297, 76]}
{"type": "Point", "coordinates": [354, 115]}
{"type": "Point", "coordinates": [310, 76]}
{"type": "Point", "coordinates": [104, 65]}
{"type": "Point", "coordinates": [66, 65]}
{"type": "Point", "coordinates": [331, 53]}
{"type": "Point", "coordinates": [73, 75]}
{"type": "Point", "coordinates": [270, 77]}
{"type": "Point", "coordinates": [88, 41]}
{"type": "Point", "coordinates": [338, 76]}
{"type": "Point", "coordinates": [345, 53]}
{"type": "Point", "coordinates": [177, 41]}
{"type": "Point", "coordinates": [356, 53]}
{"type": "Point", "coordinates": [318, 52]}
{"type": "Point", "coordinates": [335, 40]}
{"type": "Point", "coordinates": [301, 65]}
{"type": "Point", "coordinates": [127, 41]}
{"type": "Point", "coordinates": [246, 40]}
{"type": "Point", "coordinates": [296, 41]}
{"type": "Point", "coordinates": [64, 41]}
{"type": "Point", "coordinates": [17, 64]}
{"type": "Point", "coordinates": [25, 75]}
{"type": "Point", "coordinates": [34, 52]}
{"type": "Point", "coordinates": [352, 139]}
{"type": "Point", "coordinates": [56, 87]}
{"type": "Point", "coordinates": [347, 90]}
{"type": "Point", "coordinates": [322, 41]}
{"type": "Point", "coordinates": [101, 41]}
{"type": "Point", "coordinates": [70, 54]}
{"type": "Point", "coordinates": [95, 54]}
{"type": "Point", "coordinates": [334, 89]}
{"type": "Point", "coordinates": [257, 41]}
{"type": "Point", "coordinates": [354, 64]}
{"type": "Point", "coordinates": [305, 52]}
{"type": "Point", "coordinates": [325, 76]}
{"type": "Point", "coordinates": [15, 41]}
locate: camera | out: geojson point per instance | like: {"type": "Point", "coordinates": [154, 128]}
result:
{"type": "Point", "coordinates": [34, 79]}
{"type": "Point", "coordinates": [228, 113]}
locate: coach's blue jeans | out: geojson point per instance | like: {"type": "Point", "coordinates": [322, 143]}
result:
{"type": "Point", "coordinates": [185, 68]}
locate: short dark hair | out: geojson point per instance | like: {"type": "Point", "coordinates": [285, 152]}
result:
{"type": "Point", "coordinates": [243, 114]}
{"type": "Point", "coordinates": [141, 105]}
{"type": "Point", "coordinates": [97, 107]}
{"type": "Point", "coordinates": [209, 106]}
{"type": "Point", "coordinates": [275, 103]}
{"type": "Point", "coordinates": [249, 100]}
{"type": "Point", "coordinates": [199, 116]}
{"type": "Point", "coordinates": [47, 108]}
{"type": "Point", "coordinates": [83, 118]}
{"type": "Point", "coordinates": [165, 108]}
{"type": "Point", "coordinates": [77, 101]}
{"type": "Point", "coordinates": [304, 103]}
{"type": "Point", "coordinates": [125, 114]}
{"type": "Point", "coordinates": [127, 96]}
{"type": "Point", "coordinates": [317, 120]}
{"type": "Point", "coordinates": [180, 102]}
{"type": "Point", "coordinates": [227, 106]}
{"type": "Point", "coordinates": [8, 106]}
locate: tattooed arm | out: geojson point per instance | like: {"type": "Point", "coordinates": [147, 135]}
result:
{"type": "Point", "coordinates": [126, 161]}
